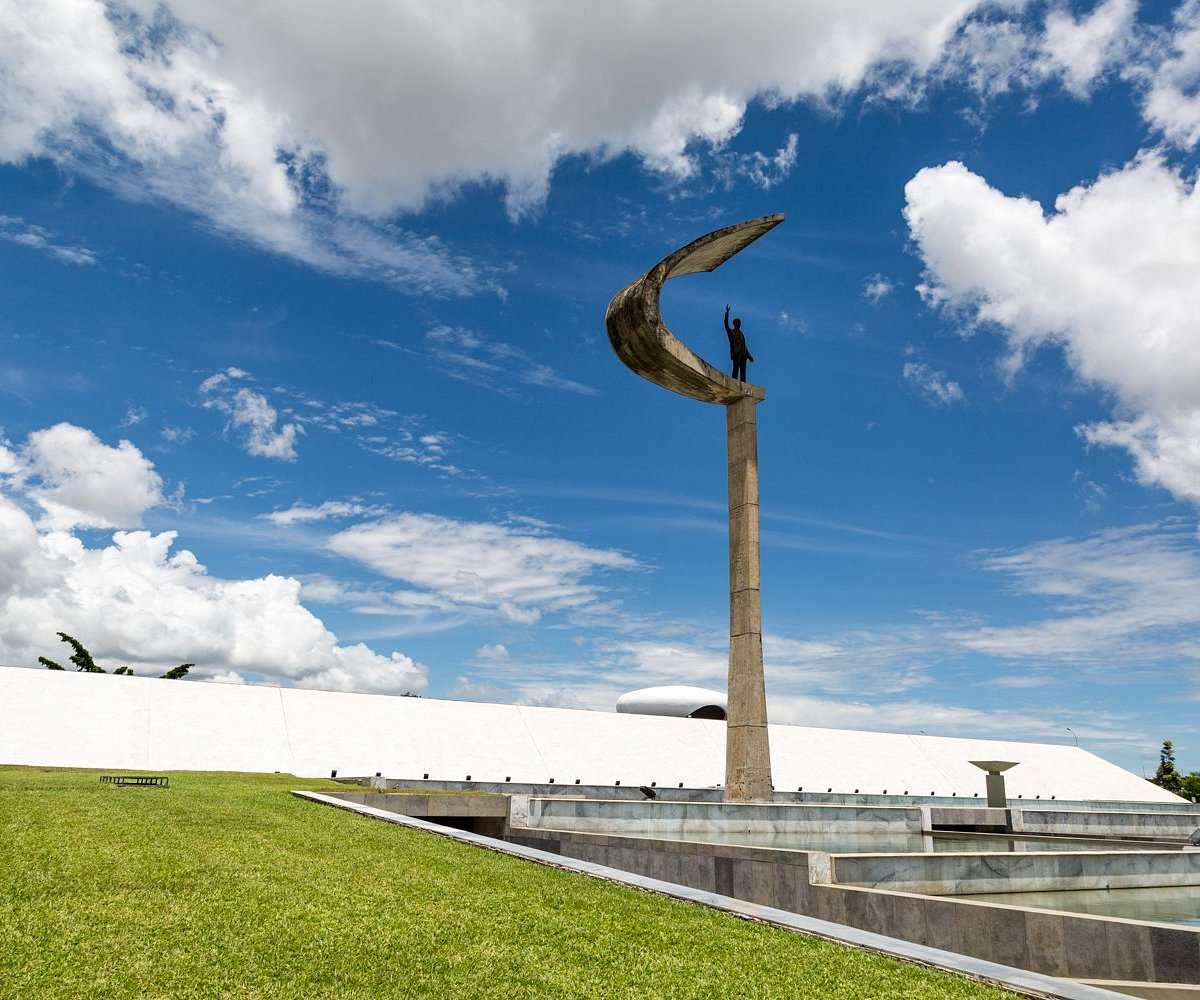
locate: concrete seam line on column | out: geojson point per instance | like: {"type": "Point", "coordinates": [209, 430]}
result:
{"type": "Point", "coordinates": [1021, 980]}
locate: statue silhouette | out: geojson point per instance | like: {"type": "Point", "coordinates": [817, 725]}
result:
{"type": "Point", "coordinates": [737, 347]}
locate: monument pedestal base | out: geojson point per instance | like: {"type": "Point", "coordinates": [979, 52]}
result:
{"type": "Point", "coordinates": [747, 752]}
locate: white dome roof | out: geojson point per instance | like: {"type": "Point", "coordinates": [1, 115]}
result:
{"type": "Point", "coordinates": [679, 701]}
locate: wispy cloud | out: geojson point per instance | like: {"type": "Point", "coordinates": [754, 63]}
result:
{"type": "Point", "coordinates": [134, 415]}
{"type": "Point", "coordinates": [763, 170]}
{"type": "Point", "coordinates": [934, 385]}
{"type": "Point", "coordinates": [1118, 607]}
{"type": "Point", "coordinates": [342, 415]}
{"type": "Point", "coordinates": [515, 570]}
{"type": "Point", "coordinates": [833, 683]}
{"type": "Point", "coordinates": [272, 427]}
{"type": "Point", "coordinates": [472, 357]}
{"type": "Point", "coordinates": [249, 413]}
{"type": "Point", "coordinates": [1126, 595]}
{"type": "Point", "coordinates": [1001, 50]}
{"type": "Point", "coordinates": [790, 322]}
{"type": "Point", "coordinates": [329, 510]}
{"type": "Point", "coordinates": [876, 288]}
{"type": "Point", "coordinates": [395, 436]}
{"type": "Point", "coordinates": [177, 435]}
{"type": "Point", "coordinates": [429, 450]}
{"type": "Point", "coordinates": [1040, 721]}
{"type": "Point", "coordinates": [17, 230]}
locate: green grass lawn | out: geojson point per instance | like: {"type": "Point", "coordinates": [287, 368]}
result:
{"type": "Point", "coordinates": [224, 885]}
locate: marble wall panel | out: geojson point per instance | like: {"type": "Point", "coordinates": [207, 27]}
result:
{"type": "Point", "coordinates": [941, 924]}
{"type": "Point", "coordinates": [1086, 951]}
{"type": "Point", "coordinates": [973, 931]}
{"type": "Point", "coordinates": [762, 883]}
{"type": "Point", "coordinates": [880, 912]}
{"type": "Point", "coordinates": [1010, 944]}
{"type": "Point", "coordinates": [783, 884]}
{"type": "Point", "coordinates": [743, 878]}
{"type": "Point", "coordinates": [723, 876]}
{"type": "Point", "coordinates": [680, 820]}
{"type": "Point", "coordinates": [1045, 941]}
{"type": "Point", "coordinates": [1130, 952]}
{"type": "Point", "coordinates": [1176, 956]}
{"type": "Point", "coordinates": [854, 907]}
{"type": "Point", "coordinates": [830, 903]}
{"type": "Point", "coordinates": [897, 910]}
{"type": "Point", "coordinates": [908, 916]}
{"type": "Point", "coordinates": [1100, 823]}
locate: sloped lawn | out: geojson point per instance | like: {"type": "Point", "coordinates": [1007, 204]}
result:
{"type": "Point", "coordinates": [224, 885]}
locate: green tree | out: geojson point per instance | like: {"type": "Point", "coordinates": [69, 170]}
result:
{"type": "Point", "coordinates": [81, 657]}
{"type": "Point", "coordinates": [1166, 776]}
{"type": "Point", "coordinates": [83, 661]}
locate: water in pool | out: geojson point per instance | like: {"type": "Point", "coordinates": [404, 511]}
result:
{"type": "Point", "coordinates": [900, 843]}
{"type": "Point", "coordinates": [1178, 904]}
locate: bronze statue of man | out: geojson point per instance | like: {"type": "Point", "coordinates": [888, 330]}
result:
{"type": "Point", "coordinates": [737, 347]}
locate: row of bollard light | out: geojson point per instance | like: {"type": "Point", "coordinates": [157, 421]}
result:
{"type": "Point", "coordinates": [654, 784]}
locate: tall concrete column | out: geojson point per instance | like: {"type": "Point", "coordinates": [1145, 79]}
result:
{"type": "Point", "coordinates": [642, 341]}
{"type": "Point", "coordinates": [747, 752]}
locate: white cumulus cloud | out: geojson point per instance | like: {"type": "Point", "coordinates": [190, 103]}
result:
{"type": "Point", "coordinates": [306, 130]}
{"type": "Point", "coordinates": [1081, 49]}
{"type": "Point", "coordinates": [1172, 98]}
{"type": "Point", "coordinates": [1111, 276]}
{"type": "Point", "coordinates": [309, 132]}
{"type": "Point", "coordinates": [78, 481]}
{"type": "Point", "coordinates": [137, 601]}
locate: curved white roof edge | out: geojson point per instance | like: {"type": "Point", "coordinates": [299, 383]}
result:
{"type": "Point", "coordinates": [54, 718]}
{"type": "Point", "coordinates": [674, 700]}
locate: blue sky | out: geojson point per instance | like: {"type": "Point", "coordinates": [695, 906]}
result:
{"type": "Point", "coordinates": [304, 375]}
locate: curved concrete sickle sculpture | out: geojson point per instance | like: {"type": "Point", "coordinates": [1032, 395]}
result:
{"type": "Point", "coordinates": [641, 339]}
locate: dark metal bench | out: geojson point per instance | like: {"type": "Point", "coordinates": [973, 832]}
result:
{"type": "Point", "coordinates": [137, 780]}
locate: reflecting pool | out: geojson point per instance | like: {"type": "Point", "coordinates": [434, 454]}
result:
{"type": "Point", "coordinates": [1167, 904]}
{"type": "Point", "coordinates": [900, 843]}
